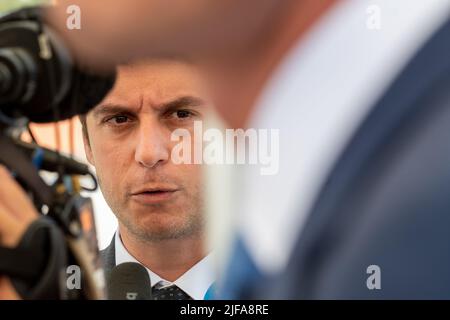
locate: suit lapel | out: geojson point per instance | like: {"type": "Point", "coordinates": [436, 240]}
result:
{"type": "Point", "coordinates": [108, 256]}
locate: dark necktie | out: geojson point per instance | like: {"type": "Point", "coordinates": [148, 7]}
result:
{"type": "Point", "coordinates": [169, 293]}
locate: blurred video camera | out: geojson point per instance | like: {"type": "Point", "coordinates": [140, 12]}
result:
{"type": "Point", "coordinates": [41, 82]}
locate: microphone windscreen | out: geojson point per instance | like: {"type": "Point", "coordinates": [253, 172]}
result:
{"type": "Point", "coordinates": [129, 281]}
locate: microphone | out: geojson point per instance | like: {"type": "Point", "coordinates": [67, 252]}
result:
{"type": "Point", "coordinates": [50, 160]}
{"type": "Point", "coordinates": [129, 281]}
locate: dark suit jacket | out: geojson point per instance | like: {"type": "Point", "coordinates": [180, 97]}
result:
{"type": "Point", "coordinates": [387, 200]}
{"type": "Point", "coordinates": [108, 256]}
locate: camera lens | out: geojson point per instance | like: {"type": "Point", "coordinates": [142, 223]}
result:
{"type": "Point", "coordinates": [5, 79]}
{"type": "Point", "coordinates": [17, 78]}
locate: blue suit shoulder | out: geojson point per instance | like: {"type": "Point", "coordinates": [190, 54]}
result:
{"type": "Point", "coordinates": [386, 204]}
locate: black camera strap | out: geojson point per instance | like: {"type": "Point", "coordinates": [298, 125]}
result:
{"type": "Point", "coordinates": [36, 264]}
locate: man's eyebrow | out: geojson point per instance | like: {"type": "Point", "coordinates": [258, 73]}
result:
{"type": "Point", "coordinates": [182, 102]}
{"type": "Point", "coordinates": [108, 108]}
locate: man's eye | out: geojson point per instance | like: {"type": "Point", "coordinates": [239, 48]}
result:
{"type": "Point", "coordinates": [118, 119]}
{"type": "Point", "coordinates": [182, 114]}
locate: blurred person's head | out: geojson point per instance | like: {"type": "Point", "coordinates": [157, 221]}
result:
{"type": "Point", "coordinates": [127, 140]}
{"type": "Point", "coordinates": [240, 42]}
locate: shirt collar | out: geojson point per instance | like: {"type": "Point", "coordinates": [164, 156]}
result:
{"type": "Point", "coordinates": [195, 282]}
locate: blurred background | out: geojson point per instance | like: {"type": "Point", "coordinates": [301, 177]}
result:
{"type": "Point", "coordinates": [6, 5]}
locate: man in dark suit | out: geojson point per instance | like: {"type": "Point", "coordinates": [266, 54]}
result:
{"type": "Point", "coordinates": [359, 207]}
{"type": "Point", "coordinates": [378, 225]}
{"type": "Point", "coordinates": [379, 228]}
{"type": "Point", "coordinates": [129, 138]}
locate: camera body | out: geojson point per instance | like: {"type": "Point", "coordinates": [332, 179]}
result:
{"type": "Point", "coordinates": [39, 79]}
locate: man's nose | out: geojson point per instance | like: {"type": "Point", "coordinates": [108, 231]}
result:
{"type": "Point", "coordinates": [153, 144]}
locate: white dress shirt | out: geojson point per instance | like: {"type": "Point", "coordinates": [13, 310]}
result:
{"type": "Point", "coordinates": [195, 282]}
{"type": "Point", "coordinates": [317, 97]}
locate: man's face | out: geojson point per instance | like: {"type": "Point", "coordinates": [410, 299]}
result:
{"type": "Point", "coordinates": [129, 144]}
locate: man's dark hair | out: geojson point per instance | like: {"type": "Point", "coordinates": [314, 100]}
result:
{"type": "Point", "coordinates": [82, 118]}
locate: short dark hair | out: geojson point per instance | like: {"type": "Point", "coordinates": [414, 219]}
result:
{"type": "Point", "coordinates": [82, 118]}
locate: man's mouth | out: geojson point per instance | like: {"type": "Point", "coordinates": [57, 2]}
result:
{"type": "Point", "coordinates": [154, 195]}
